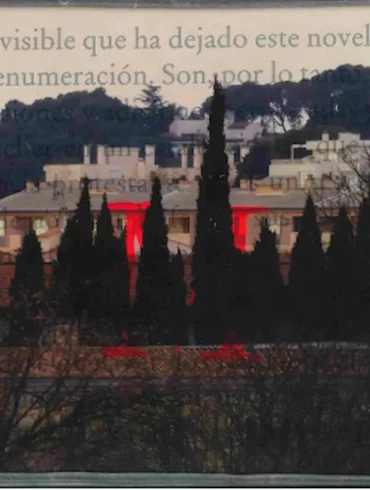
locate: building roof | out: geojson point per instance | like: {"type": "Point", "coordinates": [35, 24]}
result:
{"type": "Point", "coordinates": [42, 201]}
{"type": "Point", "coordinates": [275, 181]}
{"type": "Point", "coordinates": [288, 200]}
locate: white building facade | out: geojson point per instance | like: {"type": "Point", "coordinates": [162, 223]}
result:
{"type": "Point", "coordinates": [112, 163]}
{"type": "Point", "coordinates": [348, 156]}
{"type": "Point", "coordinates": [122, 163]}
{"type": "Point", "coordinates": [240, 133]}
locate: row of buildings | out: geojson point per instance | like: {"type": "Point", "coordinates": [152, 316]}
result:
{"type": "Point", "coordinates": [47, 212]}
{"type": "Point", "coordinates": [125, 174]}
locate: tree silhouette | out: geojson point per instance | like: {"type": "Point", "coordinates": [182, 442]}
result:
{"type": "Point", "coordinates": [179, 325]}
{"type": "Point", "coordinates": [213, 251]}
{"type": "Point", "coordinates": [152, 301]}
{"type": "Point", "coordinates": [268, 284]}
{"type": "Point", "coordinates": [307, 275]}
{"type": "Point", "coordinates": [27, 292]}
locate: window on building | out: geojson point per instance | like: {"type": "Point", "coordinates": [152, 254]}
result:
{"type": "Point", "coordinates": [178, 225]}
{"type": "Point", "coordinates": [297, 221]}
{"type": "Point", "coordinates": [95, 228]}
{"type": "Point", "coordinates": [121, 223]}
{"type": "Point", "coordinates": [274, 224]}
{"type": "Point", "coordinates": [40, 226]}
{"type": "Point", "coordinates": [22, 223]}
{"type": "Point", "coordinates": [2, 232]}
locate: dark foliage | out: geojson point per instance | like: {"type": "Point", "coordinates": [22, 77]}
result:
{"type": "Point", "coordinates": [27, 292]}
{"type": "Point", "coordinates": [179, 309]}
{"type": "Point", "coordinates": [214, 244]}
{"type": "Point", "coordinates": [307, 275]}
{"type": "Point", "coordinates": [267, 285]}
{"type": "Point", "coordinates": [152, 301]}
{"type": "Point", "coordinates": [341, 276]}
{"type": "Point", "coordinates": [362, 242]}
{"type": "Point", "coordinates": [111, 280]}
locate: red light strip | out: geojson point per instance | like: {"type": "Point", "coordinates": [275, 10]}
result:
{"type": "Point", "coordinates": [225, 353]}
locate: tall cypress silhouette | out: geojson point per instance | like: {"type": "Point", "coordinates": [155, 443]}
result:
{"type": "Point", "coordinates": [72, 288]}
{"type": "Point", "coordinates": [29, 280]}
{"type": "Point", "coordinates": [83, 258]}
{"type": "Point", "coordinates": [179, 320]}
{"type": "Point", "coordinates": [341, 273]}
{"type": "Point", "coordinates": [104, 250]}
{"type": "Point", "coordinates": [213, 251]}
{"type": "Point", "coordinates": [27, 291]}
{"type": "Point", "coordinates": [307, 275]}
{"type": "Point", "coordinates": [105, 284]}
{"type": "Point", "coordinates": [113, 286]}
{"type": "Point", "coordinates": [268, 285]}
{"type": "Point", "coordinates": [362, 242]}
{"type": "Point", "coordinates": [241, 293]}
{"type": "Point", "coordinates": [152, 307]}
{"type": "Point", "coordinates": [121, 302]}
{"type": "Point", "coordinates": [61, 293]}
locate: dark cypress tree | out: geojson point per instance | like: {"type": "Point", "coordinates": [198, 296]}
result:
{"type": "Point", "coordinates": [268, 285]}
{"type": "Point", "coordinates": [241, 292]}
{"type": "Point", "coordinates": [27, 292]}
{"type": "Point", "coordinates": [307, 276]}
{"type": "Point", "coordinates": [29, 280]}
{"type": "Point", "coordinates": [112, 278]}
{"type": "Point", "coordinates": [341, 267]}
{"type": "Point", "coordinates": [152, 301]}
{"type": "Point", "coordinates": [61, 292]}
{"type": "Point", "coordinates": [179, 320]}
{"type": "Point", "coordinates": [83, 256]}
{"type": "Point", "coordinates": [104, 255]}
{"type": "Point", "coordinates": [122, 308]}
{"type": "Point", "coordinates": [73, 281]}
{"type": "Point", "coordinates": [213, 251]}
{"type": "Point", "coordinates": [362, 280]}
{"type": "Point", "coordinates": [116, 291]}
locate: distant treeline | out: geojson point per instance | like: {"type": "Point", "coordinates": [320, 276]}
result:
{"type": "Point", "coordinates": [55, 130]}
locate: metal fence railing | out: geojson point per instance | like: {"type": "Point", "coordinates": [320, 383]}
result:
{"type": "Point", "coordinates": [83, 479]}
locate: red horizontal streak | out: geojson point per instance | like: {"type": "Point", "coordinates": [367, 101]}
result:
{"type": "Point", "coordinates": [123, 351]}
{"type": "Point", "coordinates": [225, 353]}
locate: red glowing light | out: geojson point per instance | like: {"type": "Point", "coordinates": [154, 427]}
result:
{"type": "Point", "coordinates": [135, 213]}
{"type": "Point", "coordinates": [227, 353]}
{"type": "Point", "coordinates": [123, 351]}
{"type": "Point", "coordinates": [191, 298]}
{"type": "Point", "coordinates": [224, 353]}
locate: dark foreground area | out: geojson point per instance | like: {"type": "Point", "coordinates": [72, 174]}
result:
{"type": "Point", "coordinates": [283, 424]}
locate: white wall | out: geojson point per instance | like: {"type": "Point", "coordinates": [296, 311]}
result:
{"type": "Point", "coordinates": [301, 170]}
{"type": "Point", "coordinates": [234, 134]}
{"type": "Point", "coordinates": [190, 126]}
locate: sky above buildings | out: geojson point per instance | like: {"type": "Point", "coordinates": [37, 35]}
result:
{"type": "Point", "coordinates": [48, 51]}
